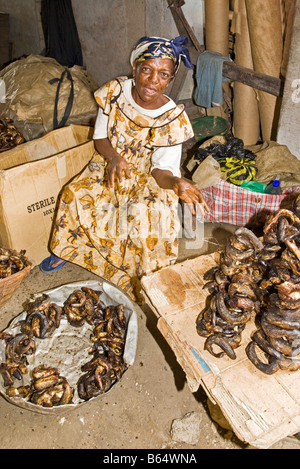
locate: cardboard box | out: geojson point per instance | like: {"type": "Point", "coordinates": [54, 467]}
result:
{"type": "Point", "coordinates": [31, 177]}
{"type": "Point", "coordinates": [48, 145]}
{"type": "Point", "coordinates": [261, 409]}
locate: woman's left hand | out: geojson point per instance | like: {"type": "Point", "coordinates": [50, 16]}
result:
{"type": "Point", "coordinates": [182, 187]}
{"type": "Point", "coordinates": [189, 193]}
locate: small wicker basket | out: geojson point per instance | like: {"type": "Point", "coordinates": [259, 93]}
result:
{"type": "Point", "coordinates": [9, 285]}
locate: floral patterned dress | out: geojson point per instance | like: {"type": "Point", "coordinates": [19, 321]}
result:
{"type": "Point", "coordinates": [122, 233]}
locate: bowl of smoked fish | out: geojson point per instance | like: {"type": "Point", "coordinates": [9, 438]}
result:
{"type": "Point", "coordinates": [14, 267]}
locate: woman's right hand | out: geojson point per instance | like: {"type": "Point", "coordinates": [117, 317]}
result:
{"type": "Point", "coordinates": [117, 167]}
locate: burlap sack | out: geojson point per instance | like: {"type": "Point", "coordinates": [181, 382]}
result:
{"type": "Point", "coordinates": [31, 91]}
{"type": "Point", "coordinates": [275, 161]}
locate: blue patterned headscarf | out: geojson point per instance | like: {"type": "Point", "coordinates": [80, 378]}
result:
{"type": "Point", "coordinates": [161, 48]}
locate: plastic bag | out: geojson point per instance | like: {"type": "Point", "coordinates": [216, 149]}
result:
{"type": "Point", "coordinates": [208, 173]}
{"type": "Point", "coordinates": [235, 160]}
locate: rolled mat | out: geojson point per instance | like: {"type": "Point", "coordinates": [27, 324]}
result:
{"type": "Point", "coordinates": [217, 25]}
{"type": "Point", "coordinates": [265, 30]}
{"type": "Point", "coordinates": [245, 124]}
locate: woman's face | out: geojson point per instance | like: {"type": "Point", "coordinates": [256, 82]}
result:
{"type": "Point", "coordinates": [151, 79]}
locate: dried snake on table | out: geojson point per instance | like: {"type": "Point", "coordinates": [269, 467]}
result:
{"type": "Point", "coordinates": [261, 279]}
{"type": "Point", "coordinates": [279, 334]}
{"type": "Point", "coordinates": [234, 293]}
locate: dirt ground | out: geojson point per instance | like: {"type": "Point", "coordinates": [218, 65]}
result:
{"type": "Point", "coordinates": [137, 413]}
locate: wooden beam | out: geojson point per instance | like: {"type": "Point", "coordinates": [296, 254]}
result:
{"type": "Point", "coordinates": [182, 23]}
{"type": "Point", "coordinates": [259, 81]}
{"type": "Point", "coordinates": [247, 76]}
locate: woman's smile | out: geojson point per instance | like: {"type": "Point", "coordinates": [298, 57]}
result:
{"type": "Point", "coordinates": [150, 91]}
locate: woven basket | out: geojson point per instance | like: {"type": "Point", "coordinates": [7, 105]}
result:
{"type": "Point", "coordinates": [9, 285]}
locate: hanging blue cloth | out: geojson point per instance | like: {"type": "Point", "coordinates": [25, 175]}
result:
{"type": "Point", "coordinates": [209, 78]}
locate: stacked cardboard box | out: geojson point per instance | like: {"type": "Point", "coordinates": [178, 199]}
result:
{"type": "Point", "coordinates": [31, 177]}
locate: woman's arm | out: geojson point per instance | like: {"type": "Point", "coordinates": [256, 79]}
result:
{"type": "Point", "coordinates": [183, 188]}
{"type": "Point", "coordinates": [117, 165]}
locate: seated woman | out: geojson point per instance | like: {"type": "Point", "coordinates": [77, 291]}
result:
{"type": "Point", "coordinates": [119, 217]}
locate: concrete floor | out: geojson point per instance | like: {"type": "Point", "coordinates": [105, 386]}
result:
{"type": "Point", "coordinates": [137, 413]}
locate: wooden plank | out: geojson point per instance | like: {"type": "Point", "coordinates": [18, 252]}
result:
{"type": "Point", "coordinates": [260, 81]}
